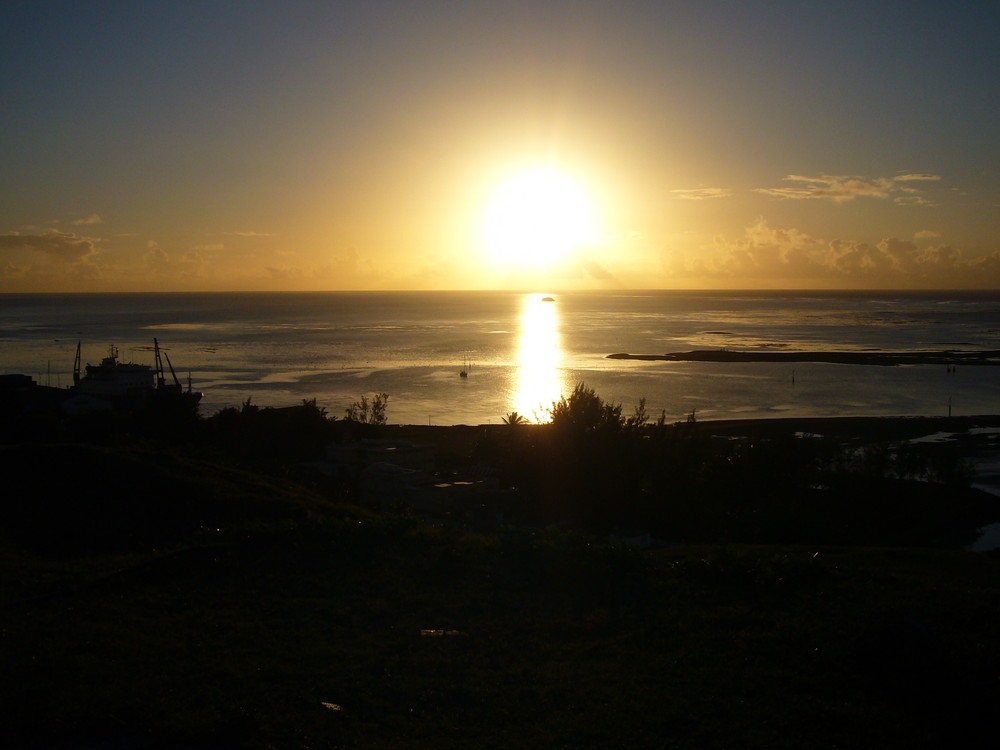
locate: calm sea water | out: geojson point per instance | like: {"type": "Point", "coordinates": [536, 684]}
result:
{"type": "Point", "coordinates": [522, 352]}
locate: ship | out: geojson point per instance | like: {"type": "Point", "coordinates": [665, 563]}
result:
{"type": "Point", "coordinates": [129, 385]}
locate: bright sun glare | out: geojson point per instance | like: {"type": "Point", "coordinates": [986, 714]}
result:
{"type": "Point", "coordinates": [538, 217]}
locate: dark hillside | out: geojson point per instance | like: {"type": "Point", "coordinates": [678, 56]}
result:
{"type": "Point", "coordinates": [155, 598]}
{"type": "Point", "coordinates": [72, 499]}
{"type": "Point", "coordinates": [388, 633]}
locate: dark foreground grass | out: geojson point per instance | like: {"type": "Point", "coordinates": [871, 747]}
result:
{"type": "Point", "coordinates": [306, 633]}
{"type": "Point", "coordinates": [150, 599]}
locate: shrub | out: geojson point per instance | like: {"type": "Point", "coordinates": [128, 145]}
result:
{"type": "Point", "coordinates": [368, 412]}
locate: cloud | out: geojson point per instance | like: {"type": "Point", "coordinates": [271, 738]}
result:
{"type": "Point", "coordinates": [249, 234]}
{"type": "Point", "coordinates": [828, 187]}
{"type": "Point", "coordinates": [188, 265]}
{"type": "Point", "coordinates": [926, 234]}
{"type": "Point", "coordinates": [912, 200]}
{"type": "Point", "coordinates": [64, 246]}
{"type": "Point", "coordinates": [283, 274]}
{"type": "Point", "coordinates": [348, 268]}
{"type": "Point", "coordinates": [156, 258]}
{"type": "Point", "coordinates": [92, 219]}
{"type": "Point", "coordinates": [843, 188]}
{"type": "Point", "coordinates": [923, 176]}
{"type": "Point", "coordinates": [759, 256]}
{"type": "Point", "coordinates": [86, 271]}
{"type": "Point", "coordinates": [595, 270]}
{"type": "Point", "coordinates": [776, 256]}
{"type": "Point", "coordinates": [700, 194]}
{"type": "Point", "coordinates": [12, 271]}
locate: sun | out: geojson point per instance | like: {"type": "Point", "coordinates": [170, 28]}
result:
{"type": "Point", "coordinates": [538, 217]}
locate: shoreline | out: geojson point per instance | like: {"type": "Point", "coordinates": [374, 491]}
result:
{"type": "Point", "coordinates": [941, 357]}
{"type": "Point", "coordinates": [868, 428]}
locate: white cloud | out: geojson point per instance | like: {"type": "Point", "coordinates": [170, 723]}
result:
{"type": "Point", "coordinates": [843, 188]}
{"type": "Point", "coordinates": [912, 200]}
{"type": "Point", "coordinates": [765, 254]}
{"type": "Point", "coordinates": [92, 219]}
{"type": "Point", "coordinates": [922, 176]}
{"type": "Point", "coordinates": [700, 194]}
{"type": "Point", "coordinates": [829, 187]}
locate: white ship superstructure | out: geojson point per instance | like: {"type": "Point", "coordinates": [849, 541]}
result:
{"type": "Point", "coordinates": [128, 384]}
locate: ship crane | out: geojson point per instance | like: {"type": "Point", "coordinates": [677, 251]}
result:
{"type": "Point", "coordinates": [160, 378]}
{"type": "Point", "coordinates": [76, 366]}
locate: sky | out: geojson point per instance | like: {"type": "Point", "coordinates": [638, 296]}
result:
{"type": "Point", "coordinates": [255, 145]}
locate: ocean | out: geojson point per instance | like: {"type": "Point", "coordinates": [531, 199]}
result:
{"type": "Point", "coordinates": [522, 352]}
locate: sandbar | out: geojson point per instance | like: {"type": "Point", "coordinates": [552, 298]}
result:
{"type": "Point", "coordinates": [942, 357]}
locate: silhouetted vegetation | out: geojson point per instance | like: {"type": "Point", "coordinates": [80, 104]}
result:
{"type": "Point", "coordinates": [270, 436]}
{"type": "Point", "coordinates": [597, 468]}
{"type": "Point", "coordinates": [182, 588]}
{"type": "Point", "coordinates": [514, 419]}
{"type": "Point", "coordinates": [369, 412]}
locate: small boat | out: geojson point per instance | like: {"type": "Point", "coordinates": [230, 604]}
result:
{"type": "Point", "coordinates": [464, 372]}
{"type": "Point", "coordinates": [548, 299]}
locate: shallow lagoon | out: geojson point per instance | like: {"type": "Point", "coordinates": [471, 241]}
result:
{"type": "Point", "coordinates": [281, 348]}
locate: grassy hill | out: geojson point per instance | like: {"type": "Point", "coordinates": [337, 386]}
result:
{"type": "Point", "coordinates": [162, 600]}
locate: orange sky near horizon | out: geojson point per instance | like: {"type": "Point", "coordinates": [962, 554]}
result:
{"type": "Point", "coordinates": [210, 148]}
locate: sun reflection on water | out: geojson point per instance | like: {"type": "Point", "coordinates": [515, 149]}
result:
{"type": "Point", "coordinates": [537, 380]}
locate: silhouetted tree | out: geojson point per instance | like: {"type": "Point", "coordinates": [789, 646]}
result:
{"type": "Point", "coordinates": [368, 412]}
{"type": "Point", "coordinates": [584, 411]}
{"type": "Point", "coordinates": [514, 419]}
{"type": "Point", "coordinates": [270, 435]}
